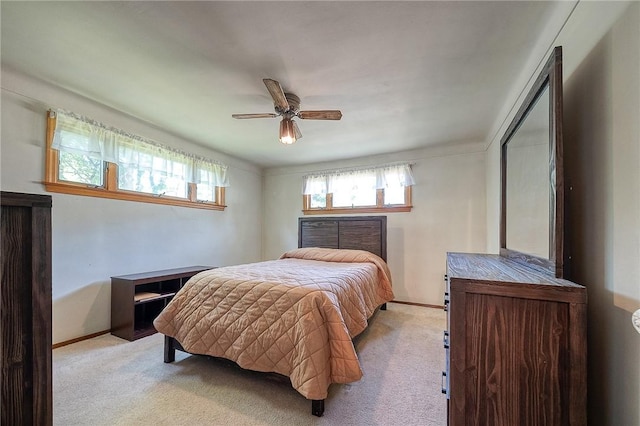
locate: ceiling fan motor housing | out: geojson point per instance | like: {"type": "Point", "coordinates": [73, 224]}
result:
{"type": "Point", "coordinates": [294, 105]}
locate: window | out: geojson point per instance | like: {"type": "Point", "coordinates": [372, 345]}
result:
{"type": "Point", "coordinates": [88, 158]}
{"type": "Point", "coordinates": [384, 188]}
{"type": "Point", "coordinates": [80, 168]}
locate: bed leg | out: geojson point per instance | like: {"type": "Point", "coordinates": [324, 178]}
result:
{"type": "Point", "coordinates": [317, 407]}
{"type": "Point", "coordinates": [169, 349]}
{"type": "Point", "coordinates": [383, 307]}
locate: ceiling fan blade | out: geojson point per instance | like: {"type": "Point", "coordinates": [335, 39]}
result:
{"type": "Point", "coordinates": [264, 115]}
{"type": "Point", "coordinates": [296, 130]}
{"type": "Point", "coordinates": [320, 115]}
{"type": "Point", "coordinates": [279, 99]}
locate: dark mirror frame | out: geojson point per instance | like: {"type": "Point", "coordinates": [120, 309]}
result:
{"type": "Point", "coordinates": [551, 77]}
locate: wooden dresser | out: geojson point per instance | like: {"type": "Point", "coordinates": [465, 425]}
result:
{"type": "Point", "coordinates": [516, 344]}
{"type": "Point", "coordinates": [26, 309]}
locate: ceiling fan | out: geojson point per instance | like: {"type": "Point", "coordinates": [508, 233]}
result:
{"type": "Point", "coordinates": [287, 105]}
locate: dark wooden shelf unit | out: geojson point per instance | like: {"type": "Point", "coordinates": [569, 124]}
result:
{"type": "Point", "coordinates": [25, 360]}
{"type": "Point", "coordinates": [137, 299]}
{"type": "Point", "coordinates": [516, 344]}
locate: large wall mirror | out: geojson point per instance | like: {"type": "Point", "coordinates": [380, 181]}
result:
{"type": "Point", "coordinates": [532, 184]}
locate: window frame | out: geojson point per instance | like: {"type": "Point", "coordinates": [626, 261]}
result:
{"type": "Point", "coordinates": [109, 189]}
{"type": "Point", "coordinates": [380, 207]}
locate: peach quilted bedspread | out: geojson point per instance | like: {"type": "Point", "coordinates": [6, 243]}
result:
{"type": "Point", "coordinates": [294, 316]}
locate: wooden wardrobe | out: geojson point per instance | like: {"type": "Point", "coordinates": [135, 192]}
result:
{"type": "Point", "coordinates": [25, 250]}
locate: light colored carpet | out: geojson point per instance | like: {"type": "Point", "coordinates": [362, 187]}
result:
{"type": "Point", "coordinates": [109, 381]}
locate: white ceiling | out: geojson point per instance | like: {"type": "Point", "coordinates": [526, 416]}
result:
{"type": "Point", "coordinates": [405, 75]}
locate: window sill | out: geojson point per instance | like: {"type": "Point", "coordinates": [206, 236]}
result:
{"type": "Point", "coordinates": [392, 209]}
{"type": "Point", "coordinates": [127, 196]}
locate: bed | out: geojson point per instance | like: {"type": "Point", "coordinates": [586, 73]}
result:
{"type": "Point", "coordinates": [295, 316]}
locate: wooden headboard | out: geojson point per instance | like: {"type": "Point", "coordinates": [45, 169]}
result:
{"type": "Point", "coordinates": [348, 232]}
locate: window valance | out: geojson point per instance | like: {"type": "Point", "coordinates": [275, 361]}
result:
{"type": "Point", "coordinates": [380, 177]}
{"type": "Point", "coordinates": [81, 135]}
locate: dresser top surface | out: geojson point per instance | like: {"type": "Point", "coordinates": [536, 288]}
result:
{"type": "Point", "coordinates": [496, 268]}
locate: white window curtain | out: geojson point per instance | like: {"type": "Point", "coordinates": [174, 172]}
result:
{"type": "Point", "coordinates": [381, 177]}
{"type": "Point", "coordinates": [212, 174]}
{"type": "Point", "coordinates": [82, 135]}
{"type": "Point", "coordinates": [147, 168]}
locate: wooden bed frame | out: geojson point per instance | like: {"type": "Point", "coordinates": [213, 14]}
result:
{"type": "Point", "coordinates": [348, 232]}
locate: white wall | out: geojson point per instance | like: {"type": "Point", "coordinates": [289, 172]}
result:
{"type": "Point", "coordinates": [94, 238]}
{"type": "Point", "coordinates": [601, 52]}
{"type": "Point", "coordinates": [448, 215]}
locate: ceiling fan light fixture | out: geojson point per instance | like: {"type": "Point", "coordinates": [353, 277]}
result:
{"type": "Point", "coordinates": [287, 105]}
{"type": "Point", "coordinates": [287, 131]}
